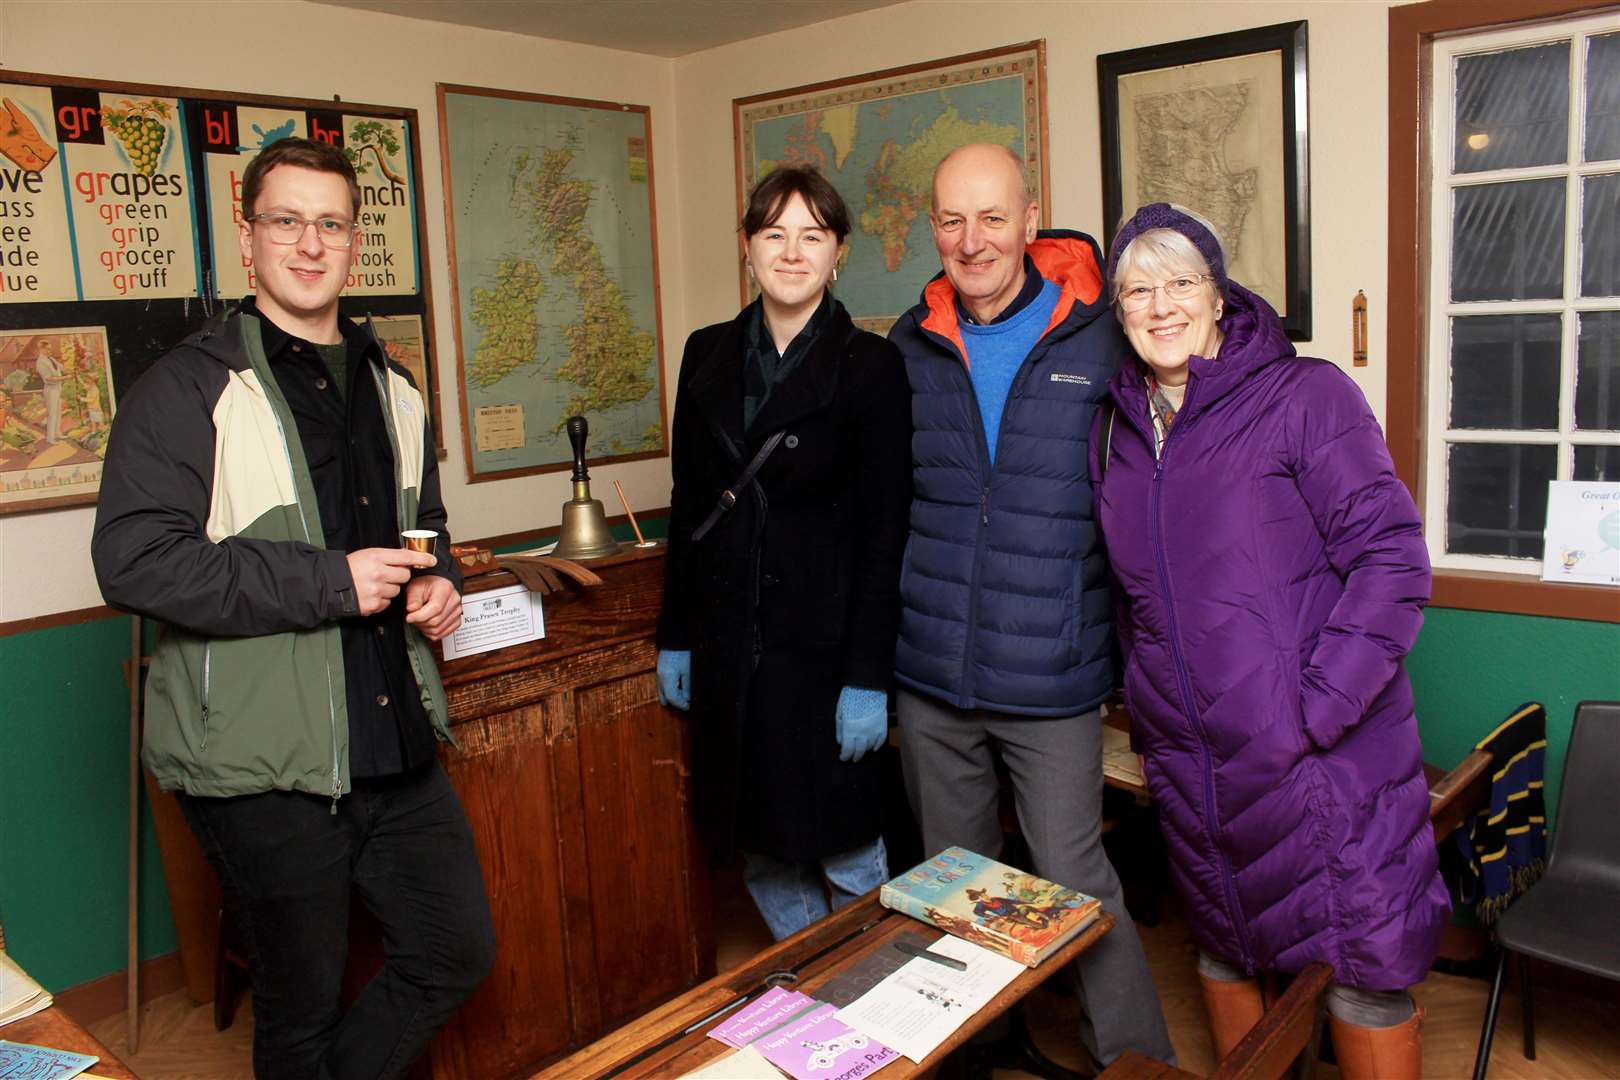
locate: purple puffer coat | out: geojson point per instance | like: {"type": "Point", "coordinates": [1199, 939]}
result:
{"type": "Point", "coordinates": [1271, 574]}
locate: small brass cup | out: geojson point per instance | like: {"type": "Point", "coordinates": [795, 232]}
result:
{"type": "Point", "coordinates": [422, 540]}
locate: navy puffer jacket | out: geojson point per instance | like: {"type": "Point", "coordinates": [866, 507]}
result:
{"type": "Point", "coordinates": [1005, 593]}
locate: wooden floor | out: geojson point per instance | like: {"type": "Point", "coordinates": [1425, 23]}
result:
{"type": "Point", "coordinates": [1577, 1031]}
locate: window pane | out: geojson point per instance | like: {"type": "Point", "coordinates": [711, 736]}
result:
{"type": "Point", "coordinates": [1504, 371]}
{"type": "Point", "coordinates": [1600, 235]}
{"type": "Point", "coordinates": [1597, 463]}
{"type": "Point", "coordinates": [1597, 372]}
{"type": "Point", "coordinates": [1507, 241]}
{"type": "Point", "coordinates": [1513, 108]}
{"type": "Point", "coordinates": [1496, 498]}
{"type": "Point", "coordinates": [1603, 97]}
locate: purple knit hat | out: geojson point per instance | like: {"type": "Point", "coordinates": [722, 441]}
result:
{"type": "Point", "coordinates": [1164, 216]}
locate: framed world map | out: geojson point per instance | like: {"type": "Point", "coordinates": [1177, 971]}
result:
{"type": "Point", "coordinates": [554, 267]}
{"type": "Point", "coordinates": [877, 138]}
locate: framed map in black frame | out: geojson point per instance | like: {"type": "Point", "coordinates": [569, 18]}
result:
{"type": "Point", "coordinates": [1220, 125]}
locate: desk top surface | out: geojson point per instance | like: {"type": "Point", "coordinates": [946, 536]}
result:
{"type": "Point", "coordinates": [672, 1040]}
{"type": "Point", "coordinates": [56, 1029]}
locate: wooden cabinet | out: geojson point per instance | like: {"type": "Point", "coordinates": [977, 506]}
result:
{"type": "Point", "coordinates": [576, 782]}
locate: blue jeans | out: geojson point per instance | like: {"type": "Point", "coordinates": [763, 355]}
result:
{"type": "Point", "coordinates": [792, 895]}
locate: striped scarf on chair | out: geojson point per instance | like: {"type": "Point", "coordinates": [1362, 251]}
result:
{"type": "Point", "coordinates": [1503, 849]}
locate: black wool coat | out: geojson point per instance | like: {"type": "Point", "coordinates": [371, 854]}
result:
{"type": "Point", "coordinates": [794, 593]}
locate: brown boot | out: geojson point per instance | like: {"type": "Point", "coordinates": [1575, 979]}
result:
{"type": "Point", "coordinates": [1234, 1008]}
{"type": "Point", "coordinates": [1391, 1053]}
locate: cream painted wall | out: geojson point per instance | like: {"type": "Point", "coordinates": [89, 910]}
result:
{"type": "Point", "coordinates": [396, 61]}
{"type": "Point", "coordinates": [270, 48]}
{"type": "Point", "coordinates": [1348, 92]}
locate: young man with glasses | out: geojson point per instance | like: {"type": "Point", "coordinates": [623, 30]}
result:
{"type": "Point", "coordinates": [256, 483]}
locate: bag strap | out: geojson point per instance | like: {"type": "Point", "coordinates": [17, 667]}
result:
{"type": "Point", "coordinates": [728, 497]}
{"type": "Point", "coordinates": [1106, 443]}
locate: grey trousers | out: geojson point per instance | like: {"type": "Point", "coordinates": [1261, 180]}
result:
{"type": "Point", "coordinates": [947, 755]}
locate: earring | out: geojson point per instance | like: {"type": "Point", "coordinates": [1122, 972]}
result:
{"type": "Point", "coordinates": [835, 273]}
{"type": "Point", "coordinates": [750, 268]}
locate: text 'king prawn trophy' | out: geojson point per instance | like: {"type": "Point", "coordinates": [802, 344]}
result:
{"type": "Point", "coordinates": [584, 533]}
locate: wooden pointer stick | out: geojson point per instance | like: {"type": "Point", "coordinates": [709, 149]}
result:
{"type": "Point", "coordinates": [631, 514]}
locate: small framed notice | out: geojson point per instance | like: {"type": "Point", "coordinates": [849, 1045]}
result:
{"type": "Point", "coordinates": [1583, 532]}
{"type": "Point", "coordinates": [495, 619]}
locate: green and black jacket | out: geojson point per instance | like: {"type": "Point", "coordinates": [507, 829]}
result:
{"type": "Point", "coordinates": [207, 521]}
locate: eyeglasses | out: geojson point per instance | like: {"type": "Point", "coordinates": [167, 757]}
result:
{"type": "Point", "coordinates": [285, 228]}
{"type": "Point", "coordinates": [1138, 297]}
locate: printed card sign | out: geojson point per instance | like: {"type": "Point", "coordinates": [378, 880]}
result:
{"type": "Point", "coordinates": [36, 251]}
{"type": "Point", "coordinates": [495, 619]}
{"type": "Point", "coordinates": [1583, 532]}
{"type": "Point", "coordinates": [130, 190]}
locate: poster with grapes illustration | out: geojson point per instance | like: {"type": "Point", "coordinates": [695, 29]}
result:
{"type": "Point", "coordinates": [134, 223]}
{"type": "Point", "coordinates": [119, 211]}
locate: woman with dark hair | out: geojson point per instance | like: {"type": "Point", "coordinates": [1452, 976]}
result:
{"type": "Point", "coordinates": [1271, 576]}
{"type": "Point", "coordinates": [788, 517]}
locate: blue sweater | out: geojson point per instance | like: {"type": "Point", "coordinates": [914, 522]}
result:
{"type": "Point", "coordinates": [995, 352]}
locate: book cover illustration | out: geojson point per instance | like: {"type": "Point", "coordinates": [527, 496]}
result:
{"type": "Point", "coordinates": [819, 1046]}
{"type": "Point", "coordinates": [991, 904]}
{"type": "Point", "coordinates": [22, 1061]}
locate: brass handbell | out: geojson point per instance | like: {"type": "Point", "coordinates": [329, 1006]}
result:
{"type": "Point", "coordinates": [584, 533]}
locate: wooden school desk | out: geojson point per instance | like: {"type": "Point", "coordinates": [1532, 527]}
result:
{"type": "Point", "coordinates": [671, 1040]}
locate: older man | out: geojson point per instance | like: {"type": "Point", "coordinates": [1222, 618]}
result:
{"type": "Point", "coordinates": [1006, 633]}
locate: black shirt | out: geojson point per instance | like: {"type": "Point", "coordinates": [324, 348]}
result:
{"type": "Point", "coordinates": [351, 464]}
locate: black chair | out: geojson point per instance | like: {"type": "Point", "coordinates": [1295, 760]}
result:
{"type": "Point", "coordinates": [1570, 917]}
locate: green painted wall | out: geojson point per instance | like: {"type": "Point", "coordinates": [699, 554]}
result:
{"type": "Point", "coordinates": [1470, 669]}
{"type": "Point", "coordinates": [64, 807]}
{"type": "Point", "coordinates": [64, 788]}
{"type": "Point", "coordinates": [64, 802]}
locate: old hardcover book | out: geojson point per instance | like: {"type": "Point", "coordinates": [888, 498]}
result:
{"type": "Point", "coordinates": [991, 904]}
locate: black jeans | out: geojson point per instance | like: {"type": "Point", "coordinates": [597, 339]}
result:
{"type": "Point", "coordinates": [286, 866]}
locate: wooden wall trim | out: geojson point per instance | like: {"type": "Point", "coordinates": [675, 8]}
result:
{"type": "Point", "coordinates": [58, 618]}
{"type": "Point", "coordinates": [1412, 30]}
{"type": "Point", "coordinates": [108, 994]}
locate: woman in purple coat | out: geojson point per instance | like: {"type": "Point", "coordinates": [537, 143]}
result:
{"type": "Point", "coordinates": [1271, 575]}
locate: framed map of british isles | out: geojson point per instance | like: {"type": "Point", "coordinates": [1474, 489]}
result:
{"type": "Point", "coordinates": [877, 138]}
{"type": "Point", "coordinates": [554, 267]}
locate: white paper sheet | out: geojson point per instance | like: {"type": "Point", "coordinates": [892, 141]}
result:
{"type": "Point", "coordinates": [745, 1064]}
{"type": "Point", "coordinates": [917, 1008]}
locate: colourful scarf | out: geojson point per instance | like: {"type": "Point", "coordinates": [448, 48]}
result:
{"type": "Point", "coordinates": [1501, 851]}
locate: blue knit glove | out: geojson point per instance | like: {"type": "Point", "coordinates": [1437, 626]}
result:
{"type": "Point", "coordinates": [863, 721]}
{"type": "Point", "coordinates": [675, 678]}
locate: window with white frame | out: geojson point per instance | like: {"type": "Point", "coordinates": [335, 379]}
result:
{"type": "Point", "coordinates": [1523, 380]}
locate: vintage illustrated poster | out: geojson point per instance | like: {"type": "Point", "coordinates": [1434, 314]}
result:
{"type": "Point", "coordinates": [553, 257]}
{"type": "Point", "coordinates": [129, 185]}
{"type": "Point", "coordinates": [385, 263]}
{"type": "Point", "coordinates": [232, 136]}
{"type": "Point", "coordinates": [56, 406]}
{"type": "Point", "coordinates": [401, 337]}
{"type": "Point", "coordinates": [877, 137]}
{"type": "Point", "coordinates": [36, 246]}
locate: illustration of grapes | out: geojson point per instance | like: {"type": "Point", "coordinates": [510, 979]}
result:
{"type": "Point", "coordinates": [140, 127]}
